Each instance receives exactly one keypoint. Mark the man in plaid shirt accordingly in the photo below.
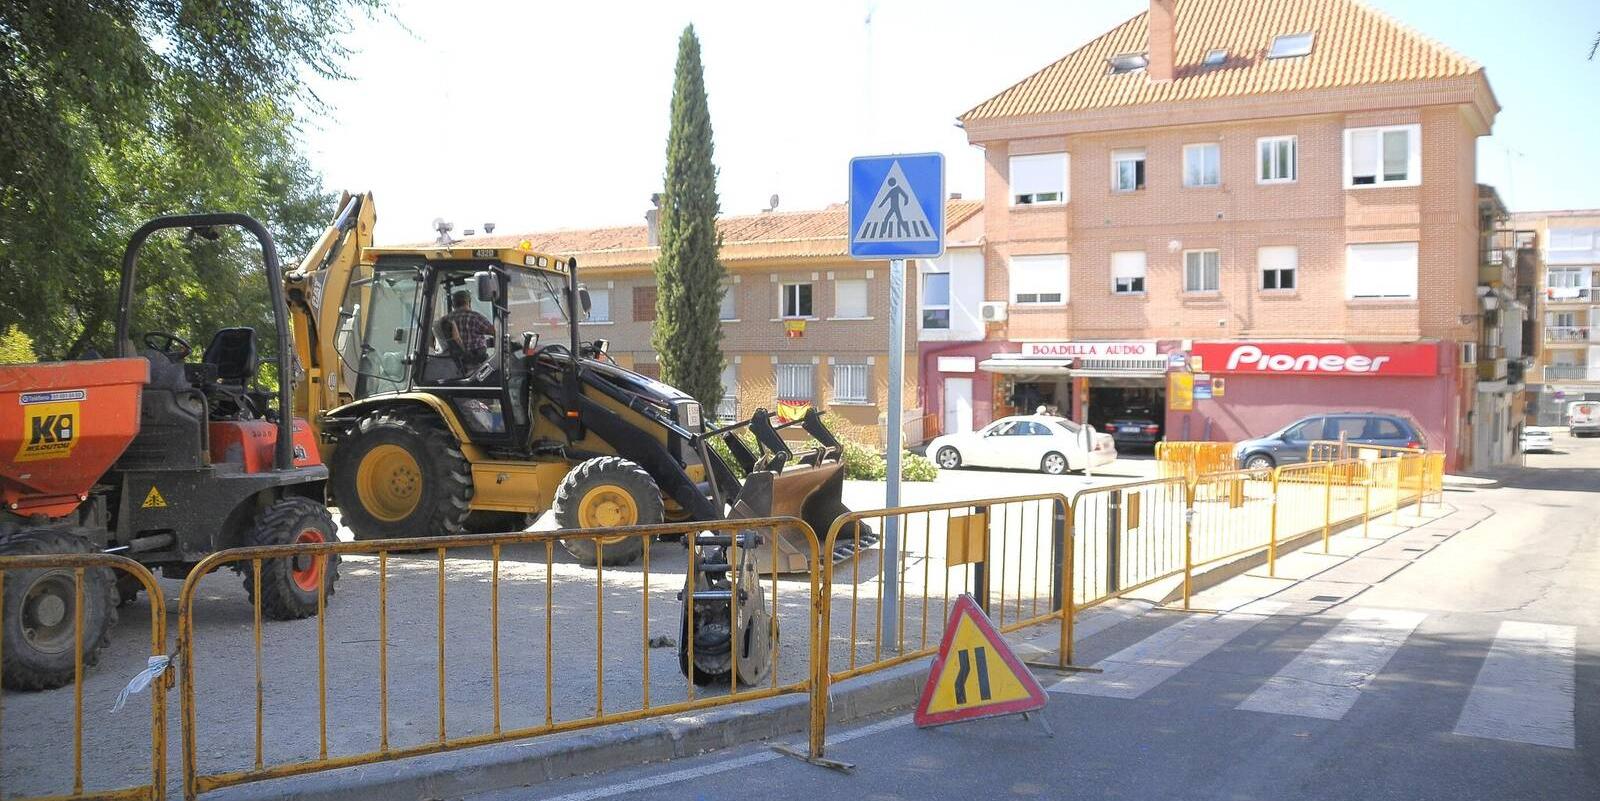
(473, 331)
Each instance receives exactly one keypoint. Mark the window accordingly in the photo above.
(1564, 319)
(850, 383)
(1345, 428)
(1290, 45)
(1127, 272)
(1215, 58)
(1039, 279)
(1573, 245)
(1383, 428)
(644, 304)
(1202, 270)
(850, 299)
(1278, 267)
(936, 300)
(1305, 431)
(796, 300)
(1202, 164)
(729, 309)
(794, 382)
(1127, 170)
(599, 305)
(1387, 270)
(728, 408)
(1277, 156)
(1128, 62)
(1383, 156)
(1039, 179)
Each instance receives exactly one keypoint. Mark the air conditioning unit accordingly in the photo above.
(993, 311)
(1469, 353)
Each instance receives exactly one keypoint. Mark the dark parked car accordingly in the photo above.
(1288, 445)
(1133, 432)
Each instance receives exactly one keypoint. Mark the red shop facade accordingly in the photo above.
(1246, 389)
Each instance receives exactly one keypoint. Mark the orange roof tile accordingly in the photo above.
(770, 235)
(1354, 45)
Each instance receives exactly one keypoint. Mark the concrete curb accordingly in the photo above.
(542, 759)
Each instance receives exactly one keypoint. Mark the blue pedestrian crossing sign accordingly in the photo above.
(897, 206)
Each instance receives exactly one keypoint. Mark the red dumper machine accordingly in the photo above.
(156, 457)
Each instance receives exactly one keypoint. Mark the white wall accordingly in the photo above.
(965, 266)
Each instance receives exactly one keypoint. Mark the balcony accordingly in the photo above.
(1571, 334)
(1569, 294)
(1571, 372)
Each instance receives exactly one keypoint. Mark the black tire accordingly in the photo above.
(289, 585)
(128, 589)
(497, 522)
(1259, 461)
(1055, 463)
(39, 651)
(442, 485)
(595, 474)
(948, 458)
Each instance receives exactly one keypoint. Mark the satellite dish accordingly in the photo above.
(772, 204)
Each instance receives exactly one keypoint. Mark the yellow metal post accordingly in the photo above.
(1188, 542)
(1394, 515)
(1366, 502)
(1327, 503)
(1272, 540)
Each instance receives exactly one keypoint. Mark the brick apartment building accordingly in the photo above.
(803, 324)
(1276, 200)
(1567, 294)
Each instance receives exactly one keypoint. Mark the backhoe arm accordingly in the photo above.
(315, 291)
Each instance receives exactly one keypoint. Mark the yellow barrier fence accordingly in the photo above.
(574, 647)
(1128, 536)
(54, 590)
(1011, 553)
(1192, 459)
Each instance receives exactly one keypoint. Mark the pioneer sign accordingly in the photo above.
(1089, 350)
(1318, 358)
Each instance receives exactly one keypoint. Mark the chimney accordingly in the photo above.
(1163, 37)
(955, 195)
(652, 221)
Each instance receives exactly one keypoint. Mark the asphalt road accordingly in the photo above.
(1460, 661)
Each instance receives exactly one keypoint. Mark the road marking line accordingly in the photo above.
(1143, 666)
(701, 771)
(1326, 679)
(1526, 688)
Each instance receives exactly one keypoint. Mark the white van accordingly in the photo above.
(1584, 418)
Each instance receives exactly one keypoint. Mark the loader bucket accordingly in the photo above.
(808, 485)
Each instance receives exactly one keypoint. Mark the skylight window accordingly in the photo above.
(1215, 58)
(1290, 45)
(1128, 62)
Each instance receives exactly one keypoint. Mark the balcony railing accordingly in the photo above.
(1571, 372)
(1569, 294)
(1575, 334)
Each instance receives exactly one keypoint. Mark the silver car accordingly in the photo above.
(1288, 445)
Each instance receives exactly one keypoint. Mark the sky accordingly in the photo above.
(539, 116)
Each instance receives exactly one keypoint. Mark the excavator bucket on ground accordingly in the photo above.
(779, 481)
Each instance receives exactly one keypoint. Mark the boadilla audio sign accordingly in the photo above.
(1089, 350)
(1318, 358)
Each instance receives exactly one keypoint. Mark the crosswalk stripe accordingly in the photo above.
(1326, 679)
(1143, 666)
(1525, 690)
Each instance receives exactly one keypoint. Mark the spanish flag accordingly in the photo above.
(789, 411)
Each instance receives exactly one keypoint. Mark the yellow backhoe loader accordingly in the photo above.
(448, 383)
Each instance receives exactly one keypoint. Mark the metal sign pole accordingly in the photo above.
(891, 494)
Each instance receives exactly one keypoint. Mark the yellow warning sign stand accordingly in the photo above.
(975, 674)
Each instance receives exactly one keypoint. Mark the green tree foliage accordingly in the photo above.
(116, 111)
(688, 332)
(16, 347)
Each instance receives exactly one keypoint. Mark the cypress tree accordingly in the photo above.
(688, 329)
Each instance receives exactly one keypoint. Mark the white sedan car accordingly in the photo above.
(1052, 445)
(1537, 440)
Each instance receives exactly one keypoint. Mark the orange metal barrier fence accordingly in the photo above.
(59, 613)
(1192, 459)
(513, 591)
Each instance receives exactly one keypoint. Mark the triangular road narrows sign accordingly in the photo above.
(895, 215)
(975, 674)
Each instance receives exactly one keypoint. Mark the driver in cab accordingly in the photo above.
(471, 331)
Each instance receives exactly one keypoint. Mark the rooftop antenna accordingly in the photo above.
(443, 228)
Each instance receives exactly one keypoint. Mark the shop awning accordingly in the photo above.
(1027, 366)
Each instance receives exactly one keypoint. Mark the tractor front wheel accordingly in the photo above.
(41, 611)
(289, 585)
(607, 492)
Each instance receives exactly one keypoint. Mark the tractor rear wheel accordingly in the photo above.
(606, 492)
(401, 474)
(41, 611)
(289, 585)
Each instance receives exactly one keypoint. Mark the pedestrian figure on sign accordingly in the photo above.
(894, 197)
